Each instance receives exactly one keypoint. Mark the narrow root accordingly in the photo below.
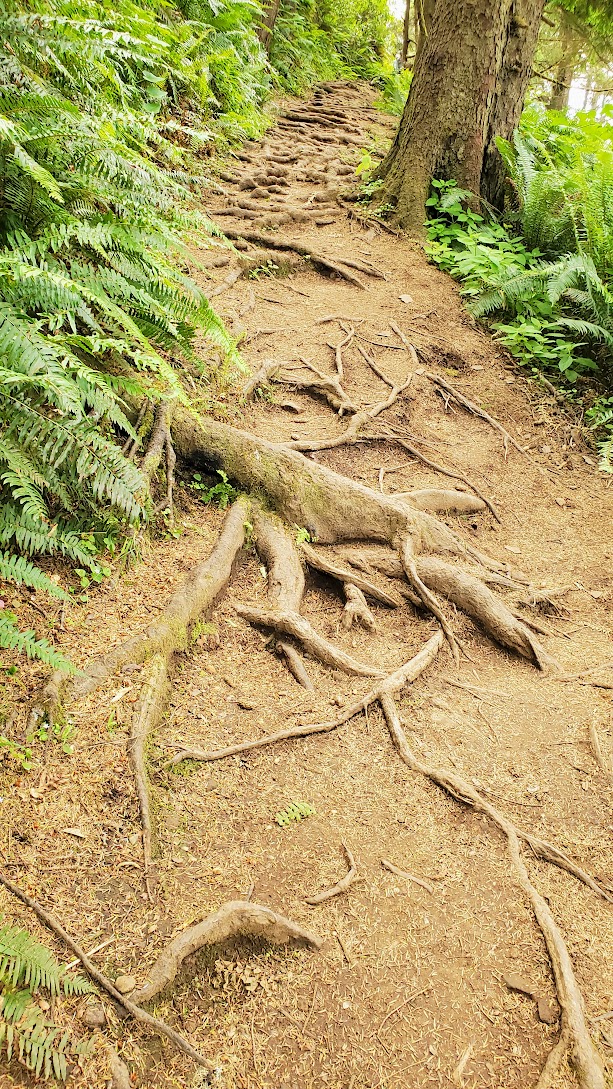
(148, 713)
(393, 683)
(585, 1058)
(341, 886)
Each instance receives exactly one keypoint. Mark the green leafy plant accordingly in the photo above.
(296, 811)
(28, 972)
(20, 572)
(220, 494)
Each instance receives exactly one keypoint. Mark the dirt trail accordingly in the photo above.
(409, 986)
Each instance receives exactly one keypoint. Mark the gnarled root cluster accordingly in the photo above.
(426, 565)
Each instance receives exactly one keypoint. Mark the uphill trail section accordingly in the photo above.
(372, 696)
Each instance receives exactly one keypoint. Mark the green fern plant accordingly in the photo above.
(296, 811)
(28, 971)
(19, 571)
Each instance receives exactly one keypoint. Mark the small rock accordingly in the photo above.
(94, 1017)
(246, 703)
(518, 983)
(560, 501)
(548, 1011)
(516, 551)
(125, 984)
(408, 299)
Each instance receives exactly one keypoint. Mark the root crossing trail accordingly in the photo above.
(350, 739)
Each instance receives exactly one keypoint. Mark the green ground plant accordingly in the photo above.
(28, 1035)
(542, 274)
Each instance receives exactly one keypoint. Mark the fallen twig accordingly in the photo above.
(341, 886)
(603, 763)
(409, 876)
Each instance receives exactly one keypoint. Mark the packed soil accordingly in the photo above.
(410, 985)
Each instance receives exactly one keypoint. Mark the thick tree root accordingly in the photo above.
(333, 509)
(444, 501)
(339, 265)
(285, 581)
(169, 632)
(341, 886)
(128, 1004)
(235, 919)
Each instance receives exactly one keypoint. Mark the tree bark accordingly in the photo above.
(424, 13)
(267, 26)
(406, 29)
(468, 88)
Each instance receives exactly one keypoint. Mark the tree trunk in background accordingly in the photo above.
(424, 14)
(267, 25)
(468, 87)
(566, 65)
(406, 28)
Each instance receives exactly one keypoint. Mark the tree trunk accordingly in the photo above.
(267, 26)
(406, 26)
(565, 66)
(468, 88)
(424, 14)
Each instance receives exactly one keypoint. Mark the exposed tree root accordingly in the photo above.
(235, 919)
(294, 625)
(444, 501)
(356, 610)
(585, 1058)
(321, 563)
(453, 474)
(393, 682)
(149, 710)
(334, 508)
(285, 581)
(168, 633)
(351, 434)
(341, 886)
(477, 411)
(120, 1075)
(328, 385)
(339, 265)
(260, 378)
(128, 1004)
